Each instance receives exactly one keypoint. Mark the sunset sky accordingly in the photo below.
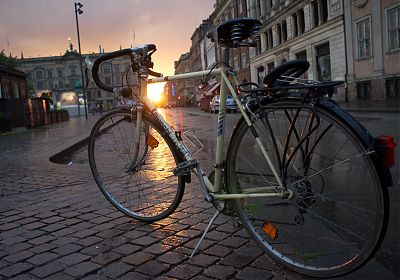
(42, 27)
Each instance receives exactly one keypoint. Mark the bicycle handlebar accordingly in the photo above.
(144, 51)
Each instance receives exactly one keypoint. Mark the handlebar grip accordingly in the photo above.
(100, 60)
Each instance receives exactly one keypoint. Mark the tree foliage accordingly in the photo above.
(8, 61)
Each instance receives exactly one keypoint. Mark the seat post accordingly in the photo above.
(225, 55)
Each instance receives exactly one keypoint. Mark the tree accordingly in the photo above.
(8, 61)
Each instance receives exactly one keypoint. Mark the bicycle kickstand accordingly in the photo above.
(214, 217)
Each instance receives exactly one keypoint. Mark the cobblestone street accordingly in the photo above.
(56, 224)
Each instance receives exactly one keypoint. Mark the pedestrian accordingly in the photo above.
(101, 109)
(94, 108)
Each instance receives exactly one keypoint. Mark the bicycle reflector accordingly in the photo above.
(384, 146)
(152, 141)
(271, 230)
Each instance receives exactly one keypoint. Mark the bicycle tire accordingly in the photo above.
(337, 217)
(138, 182)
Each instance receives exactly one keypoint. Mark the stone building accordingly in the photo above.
(373, 49)
(183, 88)
(201, 57)
(239, 57)
(60, 77)
(310, 30)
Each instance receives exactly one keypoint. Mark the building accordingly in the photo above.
(373, 49)
(201, 57)
(184, 93)
(60, 77)
(310, 30)
(239, 57)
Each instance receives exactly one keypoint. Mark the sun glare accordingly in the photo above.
(155, 92)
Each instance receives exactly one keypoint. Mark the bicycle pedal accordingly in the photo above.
(185, 167)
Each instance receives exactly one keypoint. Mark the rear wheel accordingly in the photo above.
(136, 179)
(336, 218)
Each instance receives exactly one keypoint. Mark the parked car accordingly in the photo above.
(230, 104)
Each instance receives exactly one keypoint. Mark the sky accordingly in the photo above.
(39, 28)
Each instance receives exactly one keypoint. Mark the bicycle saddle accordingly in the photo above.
(232, 33)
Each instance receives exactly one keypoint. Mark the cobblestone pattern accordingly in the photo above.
(55, 224)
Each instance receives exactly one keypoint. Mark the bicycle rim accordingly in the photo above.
(137, 180)
(336, 218)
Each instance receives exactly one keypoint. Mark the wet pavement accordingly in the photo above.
(56, 224)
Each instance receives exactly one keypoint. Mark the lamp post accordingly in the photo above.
(78, 10)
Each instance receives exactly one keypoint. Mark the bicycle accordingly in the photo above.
(306, 180)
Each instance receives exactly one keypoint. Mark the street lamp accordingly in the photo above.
(78, 10)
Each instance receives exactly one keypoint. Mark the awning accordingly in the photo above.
(210, 91)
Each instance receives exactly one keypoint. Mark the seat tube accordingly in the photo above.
(219, 157)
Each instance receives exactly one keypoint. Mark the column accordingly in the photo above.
(376, 36)
(263, 8)
(263, 41)
(269, 7)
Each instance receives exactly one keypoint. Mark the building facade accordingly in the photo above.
(309, 30)
(373, 49)
(60, 78)
(183, 88)
(238, 57)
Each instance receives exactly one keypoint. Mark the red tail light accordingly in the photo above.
(384, 146)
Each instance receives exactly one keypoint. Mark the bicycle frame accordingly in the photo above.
(226, 86)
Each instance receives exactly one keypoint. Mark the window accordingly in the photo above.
(270, 66)
(116, 68)
(39, 85)
(303, 56)
(88, 94)
(284, 31)
(364, 38)
(59, 71)
(73, 70)
(278, 34)
(323, 62)
(107, 80)
(295, 31)
(269, 39)
(302, 24)
(99, 93)
(39, 75)
(393, 87)
(364, 90)
(315, 16)
(324, 15)
(393, 22)
(258, 47)
(107, 69)
(50, 74)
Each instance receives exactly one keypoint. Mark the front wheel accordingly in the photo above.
(336, 217)
(136, 178)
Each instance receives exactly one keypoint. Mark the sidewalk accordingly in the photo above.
(55, 224)
(383, 106)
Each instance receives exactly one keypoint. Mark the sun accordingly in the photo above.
(155, 92)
